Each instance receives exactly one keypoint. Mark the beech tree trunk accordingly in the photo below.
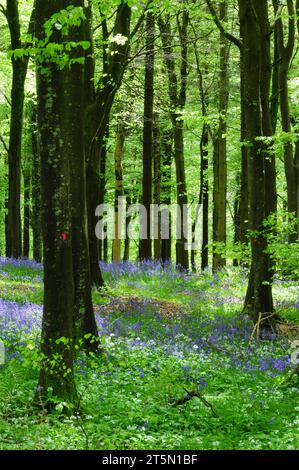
(103, 180)
(119, 147)
(68, 312)
(26, 216)
(147, 180)
(177, 103)
(204, 166)
(126, 256)
(35, 216)
(285, 56)
(19, 72)
(259, 301)
(220, 150)
(157, 184)
(56, 221)
(166, 185)
(97, 118)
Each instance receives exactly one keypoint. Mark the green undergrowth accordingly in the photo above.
(164, 336)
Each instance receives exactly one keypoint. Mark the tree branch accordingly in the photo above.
(291, 38)
(277, 15)
(220, 26)
(3, 11)
(140, 20)
(4, 143)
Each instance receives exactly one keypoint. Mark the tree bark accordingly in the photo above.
(259, 301)
(56, 221)
(285, 57)
(119, 148)
(147, 180)
(220, 150)
(157, 184)
(98, 114)
(177, 104)
(126, 256)
(204, 166)
(26, 221)
(166, 185)
(35, 218)
(19, 72)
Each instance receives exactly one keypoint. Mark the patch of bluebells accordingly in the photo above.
(147, 269)
(21, 262)
(208, 338)
(18, 322)
(205, 337)
(140, 325)
(37, 279)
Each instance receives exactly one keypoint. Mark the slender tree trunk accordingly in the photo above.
(237, 216)
(275, 84)
(204, 196)
(261, 9)
(297, 143)
(177, 102)
(126, 256)
(7, 238)
(26, 221)
(119, 148)
(19, 72)
(157, 185)
(114, 66)
(204, 166)
(285, 57)
(243, 210)
(35, 218)
(147, 180)
(103, 181)
(166, 185)
(220, 150)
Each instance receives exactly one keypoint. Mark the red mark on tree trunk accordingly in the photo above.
(63, 236)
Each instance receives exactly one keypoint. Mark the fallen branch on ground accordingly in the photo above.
(195, 394)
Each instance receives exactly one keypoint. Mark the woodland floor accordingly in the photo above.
(166, 335)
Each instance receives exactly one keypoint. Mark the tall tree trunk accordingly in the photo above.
(35, 218)
(220, 150)
(275, 84)
(204, 196)
(285, 57)
(259, 301)
(114, 66)
(56, 221)
(26, 221)
(237, 216)
(119, 148)
(242, 216)
(262, 15)
(147, 180)
(73, 105)
(166, 185)
(19, 72)
(204, 166)
(177, 104)
(157, 185)
(243, 209)
(103, 180)
(126, 256)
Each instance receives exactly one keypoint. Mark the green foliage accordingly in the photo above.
(284, 255)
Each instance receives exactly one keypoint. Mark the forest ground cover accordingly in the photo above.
(165, 335)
